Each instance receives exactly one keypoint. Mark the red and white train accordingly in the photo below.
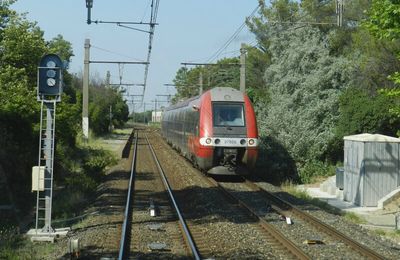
(217, 131)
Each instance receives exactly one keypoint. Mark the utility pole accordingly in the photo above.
(201, 82)
(339, 12)
(167, 96)
(201, 72)
(108, 76)
(85, 106)
(243, 68)
(111, 126)
(144, 112)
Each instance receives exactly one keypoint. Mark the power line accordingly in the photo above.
(116, 53)
(153, 19)
(233, 37)
(145, 11)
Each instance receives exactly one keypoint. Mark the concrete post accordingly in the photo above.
(201, 82)
(85, 105)
(242, 69)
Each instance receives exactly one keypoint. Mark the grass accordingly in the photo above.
(156, 125)
(292, 189)
(13, 246)
(301, 194)
(17, 247)
(353, 217)
(393, 235)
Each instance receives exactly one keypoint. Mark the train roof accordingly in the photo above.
(217, 94)
(183, 103)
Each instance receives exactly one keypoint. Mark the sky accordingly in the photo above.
(187, 31)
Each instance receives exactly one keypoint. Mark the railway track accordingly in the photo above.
(347, 247)
(240, 213)
(125, 236)
(274, 236)
(152, 226)
(196, 239)
(285, 208)
(182, 222)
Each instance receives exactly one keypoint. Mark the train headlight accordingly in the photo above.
(251, 141)
(217, 141)
(208, 141)
(242, 142)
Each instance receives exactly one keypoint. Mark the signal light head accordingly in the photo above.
(208, 141)
(50, 76)
(251, 141)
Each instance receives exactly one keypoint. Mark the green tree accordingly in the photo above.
(101, 98)
(22, 47)
(384, 23)
(361, 112)
(58, 45)
(304, 83)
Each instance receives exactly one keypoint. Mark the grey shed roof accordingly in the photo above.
(372, 138)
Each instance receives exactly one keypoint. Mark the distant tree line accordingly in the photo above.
(312, 82)
(21, 47)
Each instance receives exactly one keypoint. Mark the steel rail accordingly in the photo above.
(271, 230)
(363, 250)
(187, 235)
(128, 211)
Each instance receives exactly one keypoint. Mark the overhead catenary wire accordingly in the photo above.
(113, 52)
(127, 24)
(220, 52)
(232, 38)
(145, 10)
(153, 20)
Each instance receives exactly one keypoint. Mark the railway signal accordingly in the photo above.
(50, 77)
(49, 84)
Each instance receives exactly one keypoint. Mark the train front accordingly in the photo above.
(234, 136)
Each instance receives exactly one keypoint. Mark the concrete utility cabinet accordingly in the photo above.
(371, 168)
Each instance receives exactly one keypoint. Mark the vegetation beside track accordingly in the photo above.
(79, 167)
(312, 82)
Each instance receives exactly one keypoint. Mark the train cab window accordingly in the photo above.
(228, 114)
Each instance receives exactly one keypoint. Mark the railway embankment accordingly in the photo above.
(97, 218)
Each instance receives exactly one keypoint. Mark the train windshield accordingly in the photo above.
(228, 114)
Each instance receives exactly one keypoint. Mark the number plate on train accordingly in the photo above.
(230, 142)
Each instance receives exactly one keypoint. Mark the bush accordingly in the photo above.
(314, 169)
(97, 162)
(274, 162)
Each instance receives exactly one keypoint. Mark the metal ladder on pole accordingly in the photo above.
(46, 160)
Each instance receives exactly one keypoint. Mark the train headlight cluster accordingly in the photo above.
(228, 142)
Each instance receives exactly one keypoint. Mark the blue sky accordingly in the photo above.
(188, 30)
